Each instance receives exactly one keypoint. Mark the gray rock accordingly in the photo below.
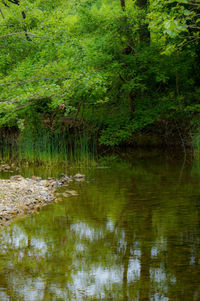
(17, 178)
(79, 176)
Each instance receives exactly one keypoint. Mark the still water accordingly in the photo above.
(133, 233)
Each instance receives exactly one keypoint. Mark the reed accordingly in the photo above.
(36, 146)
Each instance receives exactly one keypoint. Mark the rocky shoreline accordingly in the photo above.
(20, 196)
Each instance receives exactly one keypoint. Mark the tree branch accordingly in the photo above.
(194, 27)
(5, 3)
(2, 13)
(32, 79)
(20, 33)
(188, 42)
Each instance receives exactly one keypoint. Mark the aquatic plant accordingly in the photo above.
(41, 145)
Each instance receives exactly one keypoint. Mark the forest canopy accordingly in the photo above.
(113, 68)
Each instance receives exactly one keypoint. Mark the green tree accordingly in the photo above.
(116, 68)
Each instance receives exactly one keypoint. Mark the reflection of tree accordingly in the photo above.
(126, 263)
(145, 261)
(138, 229)
(91, 244)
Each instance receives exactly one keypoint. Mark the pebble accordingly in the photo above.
(79, 176)
(20, 196)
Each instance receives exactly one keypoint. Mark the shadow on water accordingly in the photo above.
(133, 233)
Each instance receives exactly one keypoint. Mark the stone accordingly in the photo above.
(57, 200)
(20, 196)
(36, 178)
(72, 192)
(66, 195)
(79, 179)
(79, 176)
(17, 178)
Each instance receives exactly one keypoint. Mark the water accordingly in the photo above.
(133, 233)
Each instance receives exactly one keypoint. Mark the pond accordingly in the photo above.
(132, 233)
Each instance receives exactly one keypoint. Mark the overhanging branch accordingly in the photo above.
(20, 33)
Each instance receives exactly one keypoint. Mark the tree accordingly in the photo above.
(110, 65)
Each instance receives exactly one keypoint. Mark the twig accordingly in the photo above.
(197, 38)
(20, 33)
(2, 13)
(31, 80)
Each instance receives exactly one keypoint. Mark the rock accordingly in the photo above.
(44, 194)
(57, 183)
(21, 195)
(63, 175)
(44, 183)
(79, 179)
(36, 178)
(72, 192)
(14, 212)
(17, 178)
(79, 176)
(7, 168)
(57, 200)
(37, 208)
(64, 179)
(66, 195)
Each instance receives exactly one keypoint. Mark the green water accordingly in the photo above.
(133, 233)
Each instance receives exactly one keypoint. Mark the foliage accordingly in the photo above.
(111, 69)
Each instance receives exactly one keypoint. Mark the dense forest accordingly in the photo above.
(100, 72)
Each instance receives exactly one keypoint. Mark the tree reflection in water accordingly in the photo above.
(132, 234)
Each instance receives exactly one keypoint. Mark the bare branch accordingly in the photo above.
(14, 1)
(20, 33)
(33, 98)
(5, 3)
(2, 13)
(194, 26)
(188, 42)
(30, 80)
(193, 4)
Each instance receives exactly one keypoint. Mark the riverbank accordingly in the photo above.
(41, 144)
(21, 196)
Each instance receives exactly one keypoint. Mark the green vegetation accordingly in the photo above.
(40, 145)
(86, 72)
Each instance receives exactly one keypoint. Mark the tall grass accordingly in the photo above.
(7, 144)
(45, 146)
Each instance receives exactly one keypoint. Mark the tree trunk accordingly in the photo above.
(141, 3)
(144, 36)
(26, 34)
(123, 4)
(131, 105)
(144, 33)
(23, 15)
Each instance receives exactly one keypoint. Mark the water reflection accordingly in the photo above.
(132, 234)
